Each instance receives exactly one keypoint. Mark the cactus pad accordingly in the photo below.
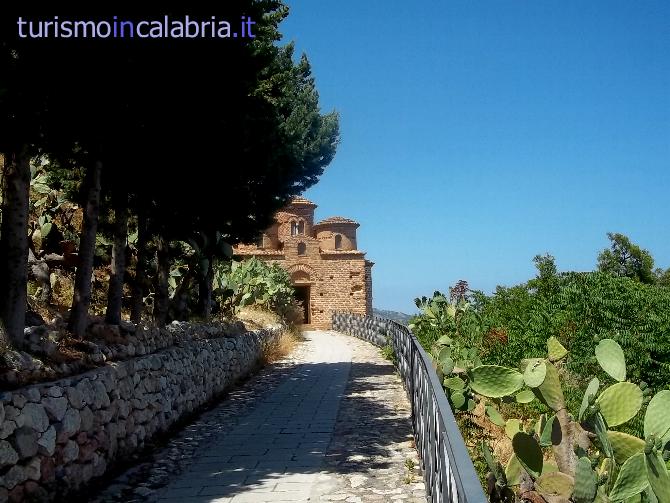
(495, 381)
(454, 383)
(555, 349)
(548, 431)
(586, 482)
(550, 392)
(494, 466)
(512, 427)
(589, 395)
(620, 403)
(657, 473)
(495, 416)
(632, 479)
(457, 399)
(513, 471)
(611, 358)
(657, 417)
(555, 485)
(445, 340)
(528, 452)
(549, 467)
(443, 354)
(601, 432)
(624, 445)
(525, 396)
(445, 361)
(535, 372)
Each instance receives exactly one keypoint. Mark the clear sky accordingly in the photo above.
(477, 134)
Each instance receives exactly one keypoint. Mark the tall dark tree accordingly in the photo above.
(118, 265)
(15, 173)
(23, 102)
(194, 153)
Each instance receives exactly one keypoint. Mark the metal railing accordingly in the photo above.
(448, 470)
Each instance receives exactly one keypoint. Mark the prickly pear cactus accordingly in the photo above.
(513, 471)
(458, 399)
(555, 486)
(494, 381)
(499, 492)
(620, 403)
(586, 482)
(445, 361)
(494, 415)
(589, 396)
(525, 396)
(629, 470)
(454, 383)
(529, 453)
(611, 358)
(624, 445)
(549, 431)
(657, 417)
(535, 372)
(632, 479)
(512, 427)
(550, 392)
(657, 473)
(555, 350)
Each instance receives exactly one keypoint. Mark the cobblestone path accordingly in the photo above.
(330, 423)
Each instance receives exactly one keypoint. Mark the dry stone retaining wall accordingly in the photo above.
(57, 436)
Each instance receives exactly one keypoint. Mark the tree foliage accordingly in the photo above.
(193, 138)
(626, 259)
(524, 360)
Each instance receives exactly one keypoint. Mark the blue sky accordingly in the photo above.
(476, 134)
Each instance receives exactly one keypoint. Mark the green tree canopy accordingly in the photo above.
(626, 259)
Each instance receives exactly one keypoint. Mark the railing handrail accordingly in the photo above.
(445, 440)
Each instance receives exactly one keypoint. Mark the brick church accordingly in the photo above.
(328, 272)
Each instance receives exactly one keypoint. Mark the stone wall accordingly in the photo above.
(57, 436)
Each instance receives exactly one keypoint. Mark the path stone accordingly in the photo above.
(372, 456)
(330, 423)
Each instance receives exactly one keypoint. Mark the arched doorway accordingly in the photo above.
(301, 283)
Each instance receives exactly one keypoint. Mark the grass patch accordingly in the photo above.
(388, 353)
(255, 318)
(282, 345)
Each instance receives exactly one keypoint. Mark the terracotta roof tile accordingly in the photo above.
(342, 252)
(302, 201)
(337, 220)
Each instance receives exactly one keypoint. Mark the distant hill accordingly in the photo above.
(392, 315)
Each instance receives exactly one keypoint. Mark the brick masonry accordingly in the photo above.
(325, 265)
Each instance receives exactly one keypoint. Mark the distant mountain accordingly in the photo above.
(393, 315)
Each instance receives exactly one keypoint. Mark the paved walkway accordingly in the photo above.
(334, 427)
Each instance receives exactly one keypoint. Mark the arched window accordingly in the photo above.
(298, 228)
(302, 248)
(338, 242)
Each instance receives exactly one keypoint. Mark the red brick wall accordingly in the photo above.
(339, 281)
